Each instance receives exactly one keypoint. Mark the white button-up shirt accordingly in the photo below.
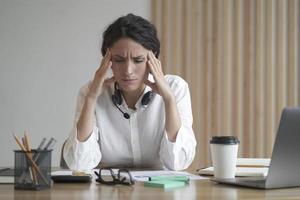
(140, 141)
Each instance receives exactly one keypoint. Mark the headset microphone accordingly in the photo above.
(125, 115)
(117, 99)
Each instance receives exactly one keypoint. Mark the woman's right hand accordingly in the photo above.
(97, 85)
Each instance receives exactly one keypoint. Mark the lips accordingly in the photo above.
(129, 81)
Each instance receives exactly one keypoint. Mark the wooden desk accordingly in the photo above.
(203, 189)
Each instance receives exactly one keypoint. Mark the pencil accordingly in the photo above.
(35, 180)
(30, 159)
(30, 169)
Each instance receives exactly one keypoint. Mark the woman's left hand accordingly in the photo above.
(160, 86)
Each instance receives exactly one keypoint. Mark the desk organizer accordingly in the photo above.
(32, 169)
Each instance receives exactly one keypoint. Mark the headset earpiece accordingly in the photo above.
(147, 98)
(117, 97)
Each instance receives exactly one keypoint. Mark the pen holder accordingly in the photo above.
(32, 169)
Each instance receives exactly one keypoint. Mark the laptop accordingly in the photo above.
(284, 170)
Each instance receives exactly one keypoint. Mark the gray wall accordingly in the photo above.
(48, 50)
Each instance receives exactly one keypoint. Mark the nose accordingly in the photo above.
(128, 68)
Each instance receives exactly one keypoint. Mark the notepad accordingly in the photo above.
(245, 167)
(6, 179)
(169, 178)
(240, 171)
(6, 175)
(253, 162)
(166, 184)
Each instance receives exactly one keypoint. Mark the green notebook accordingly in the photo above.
(166, 184)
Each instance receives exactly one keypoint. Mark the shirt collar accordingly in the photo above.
(138, 103)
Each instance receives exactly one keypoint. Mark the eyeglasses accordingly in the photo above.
(122, 177)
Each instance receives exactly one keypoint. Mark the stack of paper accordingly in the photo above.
(145, 175)
(138, 175)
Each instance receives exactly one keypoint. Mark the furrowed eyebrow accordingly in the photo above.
(118, 56)
(139, 57)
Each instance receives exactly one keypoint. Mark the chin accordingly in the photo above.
(128, 88)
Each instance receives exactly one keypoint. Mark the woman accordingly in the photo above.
(137, 118)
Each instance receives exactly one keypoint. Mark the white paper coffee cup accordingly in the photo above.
(224, 150)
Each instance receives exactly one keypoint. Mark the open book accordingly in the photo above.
(245, 167)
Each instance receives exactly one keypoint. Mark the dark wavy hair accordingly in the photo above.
(134, 27)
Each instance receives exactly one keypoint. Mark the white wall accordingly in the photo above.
(48, 49)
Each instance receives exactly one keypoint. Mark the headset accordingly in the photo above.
(117, 100)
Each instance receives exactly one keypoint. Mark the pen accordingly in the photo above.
(41, 145)
(50, 144)
(41, 156)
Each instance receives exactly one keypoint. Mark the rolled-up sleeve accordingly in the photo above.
(82, 155)
(180, 154)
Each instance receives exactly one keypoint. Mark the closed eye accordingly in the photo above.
(139, 60)
(119, 60)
